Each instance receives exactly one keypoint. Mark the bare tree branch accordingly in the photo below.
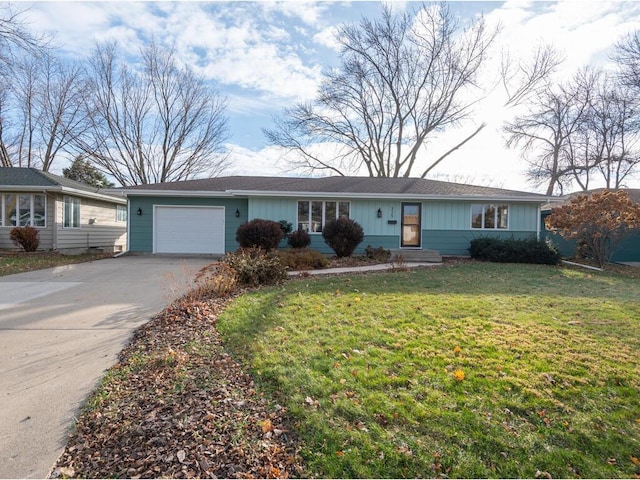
(163, 124)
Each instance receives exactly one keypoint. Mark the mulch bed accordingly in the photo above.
(177, 405)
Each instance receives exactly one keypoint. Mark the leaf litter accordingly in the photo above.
(177, 405)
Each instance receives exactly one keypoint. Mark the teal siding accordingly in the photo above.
(385, 241)
(451, 215)
(456, 242)
(141, 226)
(275, 209)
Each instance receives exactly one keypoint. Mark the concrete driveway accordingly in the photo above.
(60, 329)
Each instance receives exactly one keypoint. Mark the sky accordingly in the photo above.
(265, 56)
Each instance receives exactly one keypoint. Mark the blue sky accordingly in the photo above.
(264, 56)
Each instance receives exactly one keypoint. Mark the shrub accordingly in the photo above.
(303, 259)
(343, 235)
(299, 239)
(218, 279)
(514, 251)
(286, 227)
(26, 237)
(378, 254)
(254, 266)
(259, 233)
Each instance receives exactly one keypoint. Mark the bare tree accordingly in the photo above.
(15, 37)
(627, 56)
(16, 41)
(402, 79)
(159, 124)
(47, 98)
(545, 132)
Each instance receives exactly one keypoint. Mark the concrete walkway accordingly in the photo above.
(365, 268)
(60, 329)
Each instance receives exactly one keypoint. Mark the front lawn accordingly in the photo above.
(474, 370)
(17, 262)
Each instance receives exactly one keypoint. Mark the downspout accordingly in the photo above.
(54, 227)
(538, 222)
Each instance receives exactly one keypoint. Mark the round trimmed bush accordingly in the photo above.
(299, 239)
(259, 233)
(343, 235)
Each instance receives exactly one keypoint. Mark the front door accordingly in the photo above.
(411, 227)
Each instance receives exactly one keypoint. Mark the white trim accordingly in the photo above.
(494, 229)
(65, 191)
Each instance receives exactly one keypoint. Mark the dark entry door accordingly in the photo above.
(411, 227)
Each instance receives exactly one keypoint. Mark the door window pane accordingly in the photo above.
(71, 212)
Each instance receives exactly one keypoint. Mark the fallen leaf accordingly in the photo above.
(634, 460)
(181, 454)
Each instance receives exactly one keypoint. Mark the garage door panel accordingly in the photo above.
(189, 229)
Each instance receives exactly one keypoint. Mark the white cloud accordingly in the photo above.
(327, 37)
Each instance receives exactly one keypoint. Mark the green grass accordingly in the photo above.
(16, 262)
(365, 367)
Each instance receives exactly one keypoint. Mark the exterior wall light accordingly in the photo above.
(139, 212)
(237, 213)
(379, 213)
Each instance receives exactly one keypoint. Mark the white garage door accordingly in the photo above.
(189, 229)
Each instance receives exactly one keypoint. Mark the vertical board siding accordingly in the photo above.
(450, 242)
(450, 215)
(141, 226)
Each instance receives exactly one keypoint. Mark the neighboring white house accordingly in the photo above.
(70, 217)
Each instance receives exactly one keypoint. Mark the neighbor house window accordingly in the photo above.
(490, 216)
(121, 213)
(71, 213)
(22, 209)
(314, 214)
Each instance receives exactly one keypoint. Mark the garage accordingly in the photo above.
(188, 229)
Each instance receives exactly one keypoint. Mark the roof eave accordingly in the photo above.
(391, 196)
(114, 198)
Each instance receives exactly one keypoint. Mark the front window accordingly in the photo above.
(121, 213)
(71, 214)
(314, 214)
(22, 209)
(489, 216)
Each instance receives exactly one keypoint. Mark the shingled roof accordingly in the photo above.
(12, 177)
(347, 185)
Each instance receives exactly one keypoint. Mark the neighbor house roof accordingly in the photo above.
(331, 186)
(634, 195)
(32, 179)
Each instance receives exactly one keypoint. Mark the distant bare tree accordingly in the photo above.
(16, 41)
(15, 37)
(159, 124)
(545, 132)
(627, 56)
(47, 98)
(522, 78)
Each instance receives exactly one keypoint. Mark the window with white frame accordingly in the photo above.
(22, 209)
(71, 212)
(121, 213)
(489, 216)
(314, 214)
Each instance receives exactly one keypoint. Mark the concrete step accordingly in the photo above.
(415, 255)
